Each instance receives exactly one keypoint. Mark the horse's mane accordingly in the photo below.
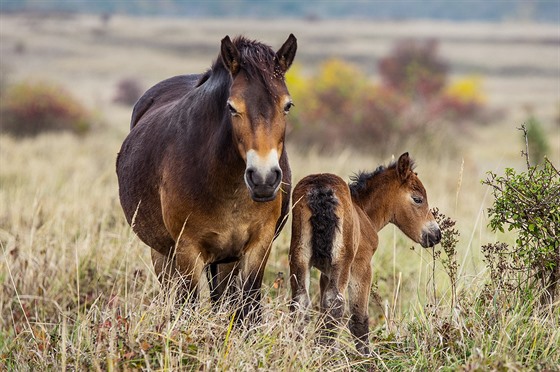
(256, 59)
(360, 179)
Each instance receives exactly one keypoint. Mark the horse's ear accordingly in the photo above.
(230, 55)
(403, 167)
(285, 55)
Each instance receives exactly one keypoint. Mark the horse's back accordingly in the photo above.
(322, 181)
(163, 93)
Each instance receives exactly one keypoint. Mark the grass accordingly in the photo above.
(78, 290)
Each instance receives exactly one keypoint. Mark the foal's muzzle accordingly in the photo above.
(431, 235)
(263, 186)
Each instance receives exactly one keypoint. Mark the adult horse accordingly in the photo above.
(203, 175)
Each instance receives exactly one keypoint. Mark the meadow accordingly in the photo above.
(78, 288)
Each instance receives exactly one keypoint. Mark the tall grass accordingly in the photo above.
(79, 292)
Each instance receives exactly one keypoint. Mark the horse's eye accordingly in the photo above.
(418, 199)
(288, 106)
(232, 109)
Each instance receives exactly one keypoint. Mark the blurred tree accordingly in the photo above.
(415, 69)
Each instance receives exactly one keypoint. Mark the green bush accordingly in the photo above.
(529, 204)
(28, 109)
(536, 140)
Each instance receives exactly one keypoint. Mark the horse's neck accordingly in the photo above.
(211, 131)
(207, 104)
(376, 204)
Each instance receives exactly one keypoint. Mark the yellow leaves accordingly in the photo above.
(297, 83)
(467, 89)
(335, 77)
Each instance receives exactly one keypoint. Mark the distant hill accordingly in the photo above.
(457, 10)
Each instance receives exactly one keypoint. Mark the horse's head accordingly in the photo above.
(412, 213)
(258, 103)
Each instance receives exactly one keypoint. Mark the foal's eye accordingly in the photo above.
(418, 199)
(288, 106)
(232, 109)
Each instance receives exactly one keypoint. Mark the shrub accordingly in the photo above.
(536, 140)
(528, 203)
(340, 106)
(461, 100)
(414, 69)
(28, 109)
(449, 239)
(466, 90)
(128, 91)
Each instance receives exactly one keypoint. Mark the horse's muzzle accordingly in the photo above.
(263, 187)
(431, 236)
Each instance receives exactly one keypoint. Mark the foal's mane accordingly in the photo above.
(360, 179)
(257, 60)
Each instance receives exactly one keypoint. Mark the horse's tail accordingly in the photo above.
(324, 222)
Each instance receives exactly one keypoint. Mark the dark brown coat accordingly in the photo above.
(203, 175)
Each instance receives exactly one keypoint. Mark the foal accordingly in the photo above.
(334, 228)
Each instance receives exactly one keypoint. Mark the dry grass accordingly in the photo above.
(78, 289)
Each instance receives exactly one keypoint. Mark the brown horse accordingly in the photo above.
(334, 228)
(201, 169)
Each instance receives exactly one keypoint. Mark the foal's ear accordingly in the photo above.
(403, 167)
(285, 55)
(230, 55)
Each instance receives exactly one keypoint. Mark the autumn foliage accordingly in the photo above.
(28, 109)
(341, 106)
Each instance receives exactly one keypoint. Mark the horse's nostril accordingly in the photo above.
(250, 175)
(434, 238)
(277, 174)
(266, 182)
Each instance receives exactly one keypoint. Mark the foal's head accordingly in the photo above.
(411, 211)
(396, 194)
(258, 103)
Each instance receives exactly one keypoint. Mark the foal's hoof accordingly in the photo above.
(326, 340)
(364, 350)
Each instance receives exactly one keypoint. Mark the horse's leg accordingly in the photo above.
(358, 295)
(299, 282)
(212, 276)
(252, 267)
(221, 278)
(190, 265)
(332, 298)
(300, 265)
(164, 266)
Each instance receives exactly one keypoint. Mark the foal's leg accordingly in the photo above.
(332, 298)
(358, 295)
(300, 279)
(300, 263)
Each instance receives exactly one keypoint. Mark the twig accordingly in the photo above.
(526, 152)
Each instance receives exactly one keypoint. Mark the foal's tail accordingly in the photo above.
(324, 222)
